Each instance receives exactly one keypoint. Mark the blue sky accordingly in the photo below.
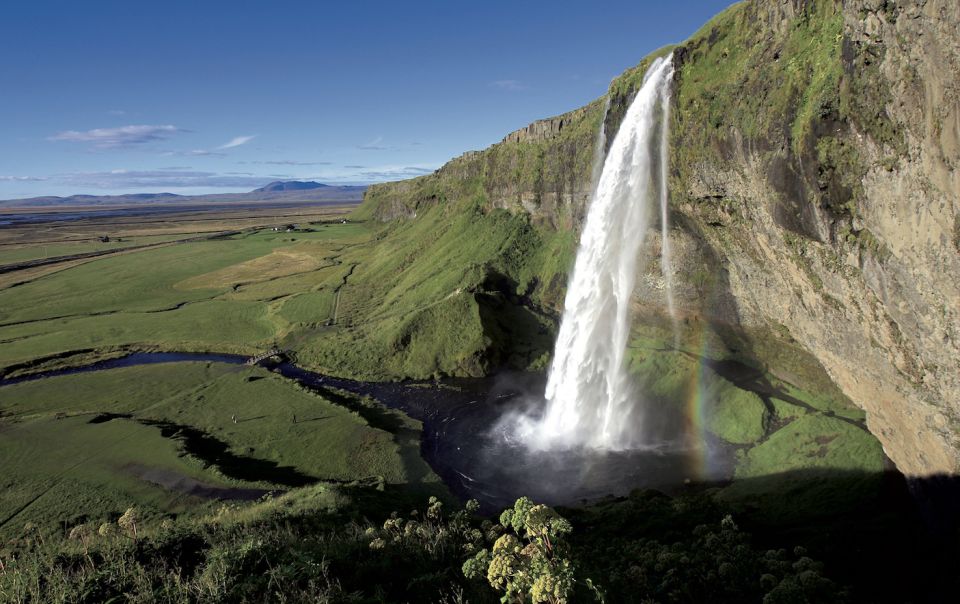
(105, 97)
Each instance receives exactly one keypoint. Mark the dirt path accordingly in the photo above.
(339, 290)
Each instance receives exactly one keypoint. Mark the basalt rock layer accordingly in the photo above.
(815, 197)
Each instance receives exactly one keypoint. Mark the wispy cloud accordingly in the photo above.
(22, 178)
(374, 145)
(116, 112)
(511, 85)
(237, 141)
(152, 179)
(355, 167)
(385, 173)
(113, 138)
(197, 153)
(287, 162)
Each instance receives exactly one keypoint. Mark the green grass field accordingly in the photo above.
(10, 254)
(212, 295)
(143, 281)
(59, 465)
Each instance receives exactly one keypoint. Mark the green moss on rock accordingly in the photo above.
(735, 415)
(814, 442)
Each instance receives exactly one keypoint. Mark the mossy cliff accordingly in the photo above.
(815, 200)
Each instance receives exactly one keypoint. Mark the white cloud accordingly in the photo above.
(112, 138)
(374, 145)
(237, 141)
(511, 85)
(199, 153)
(22, 178)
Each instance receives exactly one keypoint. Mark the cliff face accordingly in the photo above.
(815, 198)
(543, 169)
(834, 211)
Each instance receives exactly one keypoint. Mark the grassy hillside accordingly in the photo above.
(461, 290)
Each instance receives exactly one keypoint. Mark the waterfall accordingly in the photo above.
(666, 266)
(599, 149)
(589, 401)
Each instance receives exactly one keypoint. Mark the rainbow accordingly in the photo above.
(695, 401)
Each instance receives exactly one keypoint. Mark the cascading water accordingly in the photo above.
(666, 265)
(589, 399)
(599, 150)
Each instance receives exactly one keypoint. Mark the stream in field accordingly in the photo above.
(468, 442)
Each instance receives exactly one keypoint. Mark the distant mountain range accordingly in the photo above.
(277, 191)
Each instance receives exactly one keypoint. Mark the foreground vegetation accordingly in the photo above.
(355, 544)
(341, 545)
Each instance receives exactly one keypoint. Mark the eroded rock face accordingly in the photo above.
(872, 291)
(546, 129)
(815, 186)
(914, 211)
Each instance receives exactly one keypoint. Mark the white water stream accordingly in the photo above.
(590, 402)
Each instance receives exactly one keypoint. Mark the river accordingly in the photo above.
(468, 442)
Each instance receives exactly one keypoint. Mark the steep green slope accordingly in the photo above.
(461, 290)
(471, 265)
